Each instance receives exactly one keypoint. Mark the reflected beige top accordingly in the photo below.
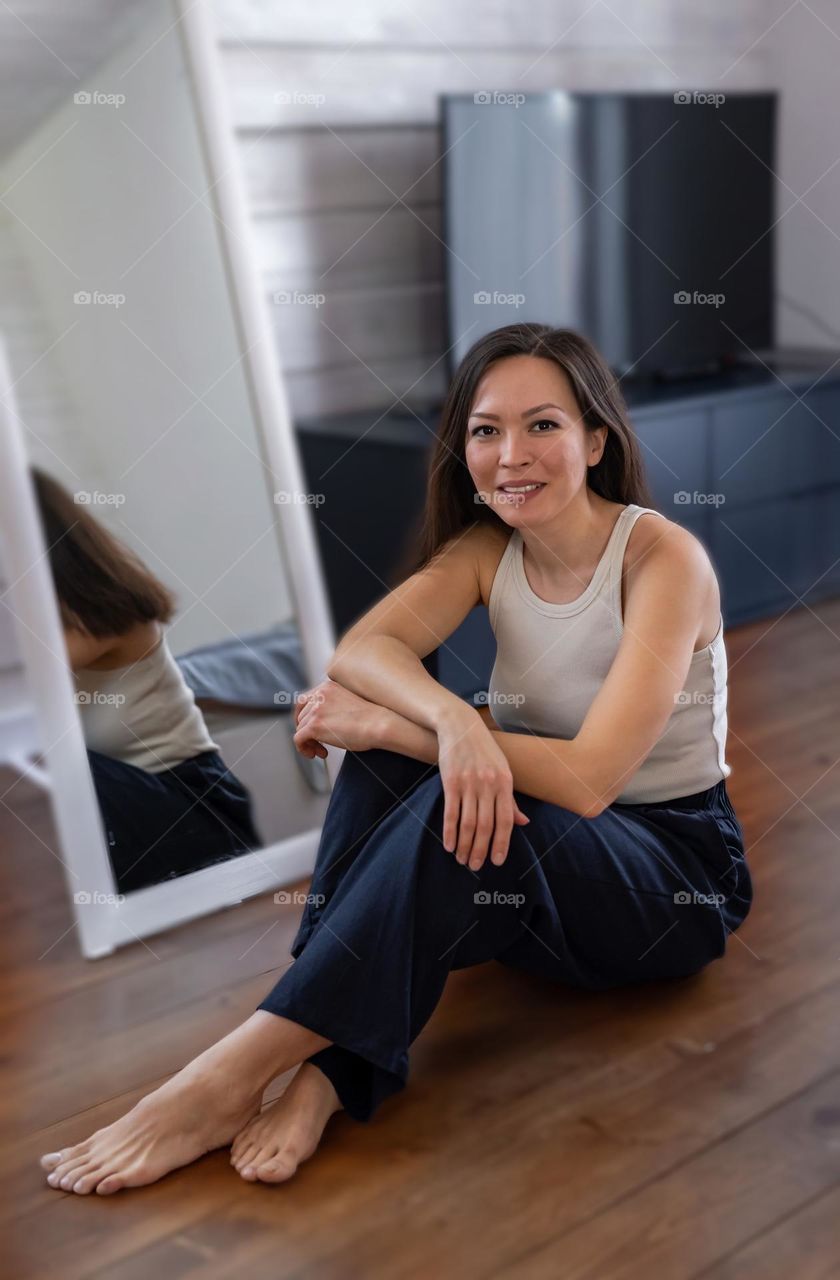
(143, 713)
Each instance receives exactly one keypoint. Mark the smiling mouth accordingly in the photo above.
(520, 491)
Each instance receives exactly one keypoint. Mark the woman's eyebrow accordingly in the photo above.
(526, 414)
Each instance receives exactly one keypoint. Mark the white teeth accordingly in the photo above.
(520, 488)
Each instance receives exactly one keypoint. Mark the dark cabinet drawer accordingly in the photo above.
(775, 445)
(824, 572)
(763, 556)
(824, 406)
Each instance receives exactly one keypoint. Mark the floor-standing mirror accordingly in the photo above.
(158, 545)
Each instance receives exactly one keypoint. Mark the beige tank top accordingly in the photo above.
(143, 713)
(552, 659)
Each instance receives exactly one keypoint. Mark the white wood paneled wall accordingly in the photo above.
(345, 188)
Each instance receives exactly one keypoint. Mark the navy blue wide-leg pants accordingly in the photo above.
(640, 893)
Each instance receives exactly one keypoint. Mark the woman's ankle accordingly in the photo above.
(259, 1049)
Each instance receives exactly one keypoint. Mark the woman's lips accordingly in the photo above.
(519, 496)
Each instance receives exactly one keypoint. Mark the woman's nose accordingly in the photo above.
(514, 453)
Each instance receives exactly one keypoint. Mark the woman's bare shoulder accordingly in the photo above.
(489, 542)
(651, 529)
(680, 552)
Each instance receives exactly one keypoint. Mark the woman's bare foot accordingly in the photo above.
(201, 1108)
(273, 1144)
(189, 1115)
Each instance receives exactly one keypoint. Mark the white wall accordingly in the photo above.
(101, 210)
(804, 52)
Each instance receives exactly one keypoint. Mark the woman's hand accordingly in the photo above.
(330, 715)
(478, 788)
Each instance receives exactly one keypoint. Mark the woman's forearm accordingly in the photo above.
(563, 783)
(409, 739)
(385, 671)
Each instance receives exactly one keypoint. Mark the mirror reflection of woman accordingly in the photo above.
(169, 803)
(576, 826)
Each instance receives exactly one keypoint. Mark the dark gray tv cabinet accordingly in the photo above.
(749, 461)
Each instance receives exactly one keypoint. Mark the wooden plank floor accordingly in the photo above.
(678, 1130)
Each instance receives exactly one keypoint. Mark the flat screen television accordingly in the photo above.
(643, 220)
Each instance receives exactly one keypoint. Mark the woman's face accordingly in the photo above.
(525, 429)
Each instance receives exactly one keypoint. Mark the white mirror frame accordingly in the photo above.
(106, 922)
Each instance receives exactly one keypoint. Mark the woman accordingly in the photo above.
(588, 836)
(169, 804)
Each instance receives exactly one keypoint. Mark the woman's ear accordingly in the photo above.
(597, 444)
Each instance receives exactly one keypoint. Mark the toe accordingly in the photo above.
(240, 1142)
(278, 1169)
(66, 1174)
(246, 1156)
(56, 1176)
(86, 1183)
(51, 1159)
(112, 1183)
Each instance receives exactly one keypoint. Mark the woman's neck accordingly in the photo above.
(565, 552)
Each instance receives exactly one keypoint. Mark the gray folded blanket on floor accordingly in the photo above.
(263, 670)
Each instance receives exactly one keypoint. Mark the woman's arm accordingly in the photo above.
(83, 648)
(546, 768)
(397, 733)
(632, 708)
(380, 657)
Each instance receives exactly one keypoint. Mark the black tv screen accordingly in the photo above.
(644, 221)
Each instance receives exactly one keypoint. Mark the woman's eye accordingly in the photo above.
(542, 422)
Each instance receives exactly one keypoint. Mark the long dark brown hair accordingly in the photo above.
(101, 585)
(451, 504)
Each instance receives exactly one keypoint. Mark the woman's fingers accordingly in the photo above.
(466, 826)
(472, 820)
(483, 828)
(504, 826)
(451, 809)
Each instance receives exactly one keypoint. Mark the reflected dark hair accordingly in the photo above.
(100, 583)
(450, 494)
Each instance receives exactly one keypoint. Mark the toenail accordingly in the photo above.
(52, 1179)
(249, 1168)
